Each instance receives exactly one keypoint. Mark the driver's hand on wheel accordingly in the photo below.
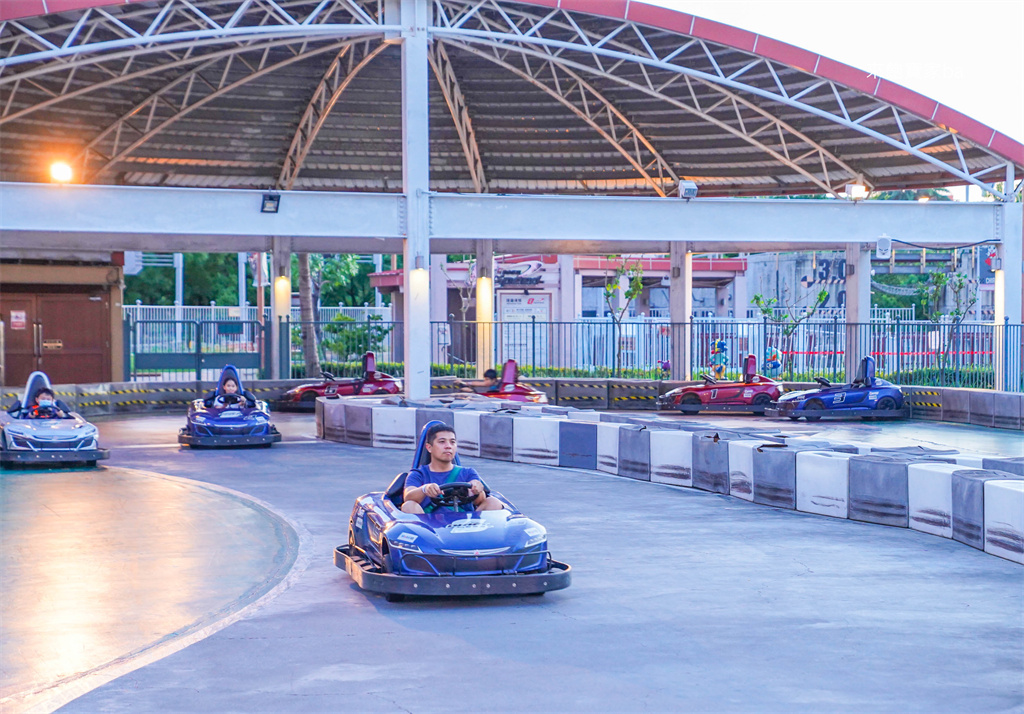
(476, 488)
(432, 490)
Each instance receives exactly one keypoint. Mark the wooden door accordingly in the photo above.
(74, 337)
(20, 337)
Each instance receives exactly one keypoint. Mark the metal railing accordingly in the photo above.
(905, 352)
(249, 312)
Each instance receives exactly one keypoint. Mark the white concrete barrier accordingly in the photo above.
(672, 457)
(584, 415)
(1004, 519)
(930, 497)
(823, 483)
(467, 431)
(969, 461)
(535, 441)
(741, 468)
(608, 447)
(394, 428)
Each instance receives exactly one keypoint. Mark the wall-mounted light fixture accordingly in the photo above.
(855, 191)
(60, 172)
(687, 190)
(270, 203)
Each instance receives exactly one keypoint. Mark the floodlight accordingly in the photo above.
(271, 202)
(687, 190)
(856, 191)
(60, 172)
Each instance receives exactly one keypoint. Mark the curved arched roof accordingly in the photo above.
(546, 96)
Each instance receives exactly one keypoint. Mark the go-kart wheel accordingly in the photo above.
(762, 400)
(689, 400)
(308, 397)
(394, 597)
(886, 404)
(815, 405)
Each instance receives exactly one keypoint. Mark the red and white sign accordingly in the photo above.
(19, 321)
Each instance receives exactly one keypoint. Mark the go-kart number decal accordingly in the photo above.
(367, 389)
(840, 398)
(331, 389)
(714, 393)
(872, 396)
(747, 393)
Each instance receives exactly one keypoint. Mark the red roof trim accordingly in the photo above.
(700, 28)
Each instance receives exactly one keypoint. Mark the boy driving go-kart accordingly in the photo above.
(47, 406)
(423, 485)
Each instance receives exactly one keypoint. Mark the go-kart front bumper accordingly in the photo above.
(242, 440)
(26, 456)
(367, 577)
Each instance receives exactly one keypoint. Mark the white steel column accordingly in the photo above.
(484, 306)
(680, 302)
(1008, 297)
(280, 303)
(858, 305)
(416, 185)
(740, 299)
(241, 285)
(438, 304)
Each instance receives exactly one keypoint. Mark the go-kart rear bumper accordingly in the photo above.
(19, 456)
(192, 440)
(815, 414)
(366, 577)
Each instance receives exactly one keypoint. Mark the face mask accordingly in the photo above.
(46, 402)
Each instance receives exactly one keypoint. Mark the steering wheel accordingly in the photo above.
(708, 379)
(823, 382)
(38, 412)
(454, 495)
(229, 399)
(328, 376)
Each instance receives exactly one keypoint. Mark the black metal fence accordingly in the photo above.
(909, 353)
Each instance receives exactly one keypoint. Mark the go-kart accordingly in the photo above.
(222, 419)
(865, 397)
(303, 397)
(447, 552)
(34, 434)
(508, 388)
(752, 396)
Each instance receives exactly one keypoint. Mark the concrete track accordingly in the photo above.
(681, 601)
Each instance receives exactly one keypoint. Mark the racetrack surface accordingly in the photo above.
(681, 601)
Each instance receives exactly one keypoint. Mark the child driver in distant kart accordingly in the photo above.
(489, 383)
(227, 388)
(45, 406)
(425, 482)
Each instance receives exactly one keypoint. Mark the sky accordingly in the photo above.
(965, 54)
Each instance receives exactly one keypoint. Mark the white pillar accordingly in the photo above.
(241, 285)
(1009, 285)
(722, 301)
(416, 185)
(484, 306)
(680, 301)
(858, 305)
(280, 304)
(740, 299)
(438, 304)
(568, 310)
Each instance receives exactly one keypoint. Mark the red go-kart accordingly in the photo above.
(751, 396)
(372, 382)
(509, 388)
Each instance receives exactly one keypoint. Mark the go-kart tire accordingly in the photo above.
(689, 400)
(308, 397)
(762, 400)
(815, 405)
(886, 404)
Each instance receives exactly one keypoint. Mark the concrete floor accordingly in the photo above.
(681, 601)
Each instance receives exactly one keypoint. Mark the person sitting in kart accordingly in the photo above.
(46, 406)
(425, 482)
(228, 393)
(489, 383)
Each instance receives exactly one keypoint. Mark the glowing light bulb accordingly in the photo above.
(60, 172)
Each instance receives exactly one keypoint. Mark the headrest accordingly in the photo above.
(510, 372)
(36, 381)
(422, 456)
(866, 371)
(229, 371)
(369, 363)
(749, 368)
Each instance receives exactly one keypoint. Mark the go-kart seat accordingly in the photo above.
(396, 491)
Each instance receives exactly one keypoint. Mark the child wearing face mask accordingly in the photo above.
(46, 406)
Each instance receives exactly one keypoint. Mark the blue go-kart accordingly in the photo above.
(447, 552)
(221, 419)
(866, 397)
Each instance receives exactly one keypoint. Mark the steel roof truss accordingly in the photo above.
(459, 110)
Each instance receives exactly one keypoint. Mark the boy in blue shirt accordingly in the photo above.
(425, 482)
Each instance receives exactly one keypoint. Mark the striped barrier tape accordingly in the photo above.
(154, 401)
(932, 405)
(645, 397)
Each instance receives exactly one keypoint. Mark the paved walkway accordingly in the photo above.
(681, 601)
